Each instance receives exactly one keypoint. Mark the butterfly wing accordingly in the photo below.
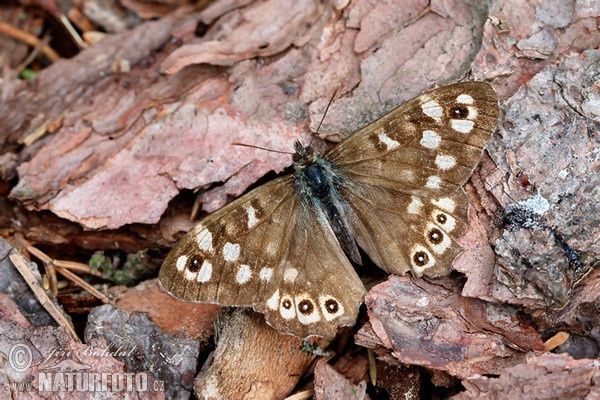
(271, 250)
(401, 177)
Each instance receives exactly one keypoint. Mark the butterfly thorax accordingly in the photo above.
(317, 183)
(315, 175)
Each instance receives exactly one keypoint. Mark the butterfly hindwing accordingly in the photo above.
(402, 233)
(320, 289)
(274, 252)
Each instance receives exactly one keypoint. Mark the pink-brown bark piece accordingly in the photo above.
(172, 315)
(330, 384)
(128, 142)
(246, 34)
(431, 324)
(547, 376)
(523, 37)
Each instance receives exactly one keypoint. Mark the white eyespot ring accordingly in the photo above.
(306, 309)
(331, 308)
(445, 221)
(286, 307)
(420, 259)
(437, 240)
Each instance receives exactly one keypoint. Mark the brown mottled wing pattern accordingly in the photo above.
(402, 177)
(272, 251)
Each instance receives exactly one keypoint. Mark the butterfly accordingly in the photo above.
(392, 189)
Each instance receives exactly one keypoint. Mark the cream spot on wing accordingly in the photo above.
(306, 309)
(189, 275)
(331, 308)
(432, 109)
(438, 241)
(244, 274)
(445, 162)
(231, 251)
(181, 262)
(273, 302)
(430, 139)
(271, 249)
(205, 272)
(472, 113)
(265, 274)
(415, 206)
(406, 175)
(445, 203)
(420, 259)
(462, 125)
(286, 307)
(204, 239)
(433, 182)
(464, 99)
(252, 220)
(389, 143)
(290, 275)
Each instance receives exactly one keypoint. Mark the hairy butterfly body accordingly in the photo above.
(392, 189)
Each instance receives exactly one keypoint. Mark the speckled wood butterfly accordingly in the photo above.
(392, 189)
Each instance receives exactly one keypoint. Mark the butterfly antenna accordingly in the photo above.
(325, 113)
(287, 152)
(260, 148)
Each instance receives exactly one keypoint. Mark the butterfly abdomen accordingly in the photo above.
(316, 184)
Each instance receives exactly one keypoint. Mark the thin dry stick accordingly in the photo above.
(303, 395)
(372, 367)
(34, 53)
(72, 31)
(50, 272)
(29, 39)
(77, 280)
(52, 280)
(77, 267)
(77, 18)
(39, 292)
(62, 267)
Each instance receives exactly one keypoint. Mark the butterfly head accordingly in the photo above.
(302, 155)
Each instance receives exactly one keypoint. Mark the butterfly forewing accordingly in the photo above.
(401, 177)
(209, 259)
(272, 251)
(440, 134)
